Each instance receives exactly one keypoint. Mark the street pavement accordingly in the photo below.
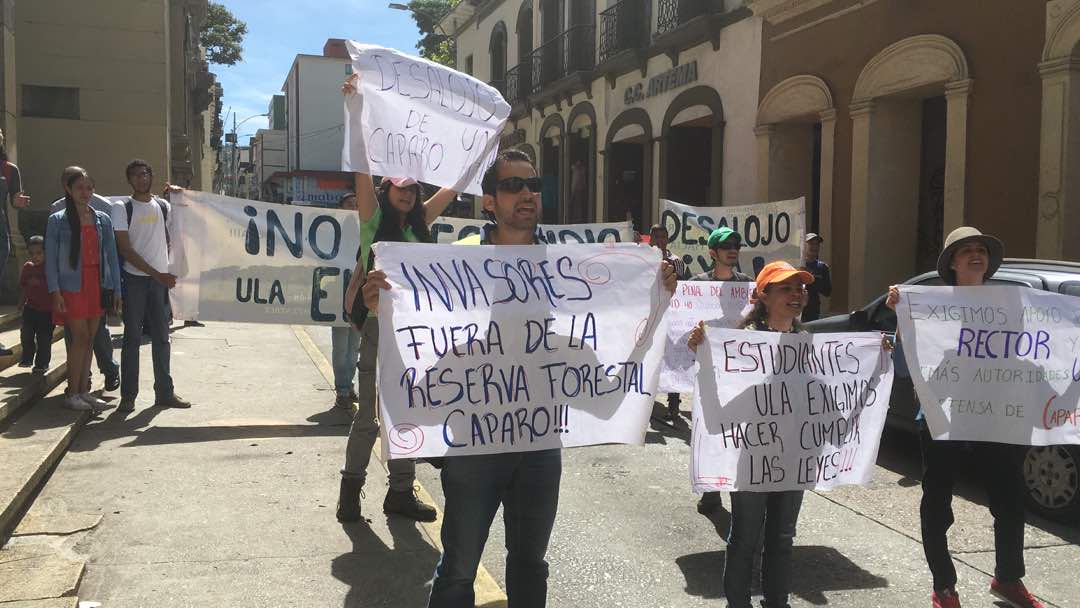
(231, 503)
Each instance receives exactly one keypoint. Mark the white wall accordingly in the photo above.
(315, 134)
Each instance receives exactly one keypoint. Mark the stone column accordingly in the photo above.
(652, 206)
(600, 177)
(8, 121)
(825, 189)
(957, 94)
(862, 113)
(1059, 173)
(764, 135)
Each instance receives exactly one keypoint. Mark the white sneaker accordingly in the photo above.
(76, 402)
(96, 403)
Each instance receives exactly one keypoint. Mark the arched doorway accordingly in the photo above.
(692, 148)
(1059, 179)
(551, 143)
(908, 166)
(796, 124)
(497, 51)
(628, 169)
(581, 164)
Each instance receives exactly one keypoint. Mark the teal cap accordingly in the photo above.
(721, 235)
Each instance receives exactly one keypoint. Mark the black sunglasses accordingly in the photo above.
(736, 246)
(513, 185)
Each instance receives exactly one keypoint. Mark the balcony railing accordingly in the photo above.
(519, 82)
(571, 51)
(671, 14)
(622, 27)
(500, 86)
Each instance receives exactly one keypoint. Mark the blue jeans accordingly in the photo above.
(526, 484)
(345, 348)
(751, 512)
(147, 301)
(103, 349)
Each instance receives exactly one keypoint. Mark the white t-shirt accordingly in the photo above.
(146, 233)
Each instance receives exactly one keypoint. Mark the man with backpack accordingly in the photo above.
(142, 236)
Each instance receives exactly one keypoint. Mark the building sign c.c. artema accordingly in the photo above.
(678, 76)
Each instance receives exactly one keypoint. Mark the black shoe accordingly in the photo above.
(172, 401)
(26, 363)
(407, 504)
(343, 402)
(193, 324)
(112, 382)
(348, 504)
(5, 351)
(709, 502)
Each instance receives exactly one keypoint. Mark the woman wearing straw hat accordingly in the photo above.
(969, 259)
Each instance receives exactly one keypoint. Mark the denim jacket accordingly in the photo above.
(58, 271)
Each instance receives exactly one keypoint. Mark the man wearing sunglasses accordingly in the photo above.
(724, 245)
(525, 484)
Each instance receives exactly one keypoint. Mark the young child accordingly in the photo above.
(36, 306)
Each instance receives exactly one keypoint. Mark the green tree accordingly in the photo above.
(222, 36)
(427, 14)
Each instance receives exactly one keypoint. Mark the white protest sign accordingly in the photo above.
(994, 363)
(718, 304)
(489, 349)
(780, 411)
(451, 229)
(770, 232)
(416, 118)
(242, 260)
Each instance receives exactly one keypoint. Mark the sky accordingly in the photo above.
(280, 30)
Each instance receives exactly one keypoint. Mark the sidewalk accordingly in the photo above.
(230, 503)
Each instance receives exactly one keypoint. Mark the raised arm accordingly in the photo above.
(366, 202)
(434, 206)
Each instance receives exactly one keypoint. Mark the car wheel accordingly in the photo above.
(1052, 477)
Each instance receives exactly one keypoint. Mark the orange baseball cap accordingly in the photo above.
(779, 271)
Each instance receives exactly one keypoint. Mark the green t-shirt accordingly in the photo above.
(368, 230)
(367, 237)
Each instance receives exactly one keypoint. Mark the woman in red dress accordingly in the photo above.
(83, 275)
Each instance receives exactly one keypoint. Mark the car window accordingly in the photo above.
(1070, 288)
(882, 317)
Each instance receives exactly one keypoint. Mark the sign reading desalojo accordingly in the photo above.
(450, 229)
(507, 349)
(416, 118)
(994, 363)
(770, 231)
(776, 411)
(718, 304)
(242, 260)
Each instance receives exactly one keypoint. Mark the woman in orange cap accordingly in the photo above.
(780, 295)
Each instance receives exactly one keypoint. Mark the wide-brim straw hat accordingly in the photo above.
(960, 236)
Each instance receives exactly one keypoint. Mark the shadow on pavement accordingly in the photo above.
(661, 428)
(411, 560)
(815, 571)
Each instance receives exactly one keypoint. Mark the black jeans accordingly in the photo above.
(36, 336)
(998, 466)
(774, 514)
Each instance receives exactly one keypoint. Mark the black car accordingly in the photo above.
(1052, 473)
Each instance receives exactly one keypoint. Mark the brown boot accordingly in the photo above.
(348, 505)
(407, 504)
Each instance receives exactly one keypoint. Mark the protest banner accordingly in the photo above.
(242, 260)
(780, 411)
(770, 231)
(517, 348)
(718, 304)
(994, 363)
(416, 118)
(451, 229)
